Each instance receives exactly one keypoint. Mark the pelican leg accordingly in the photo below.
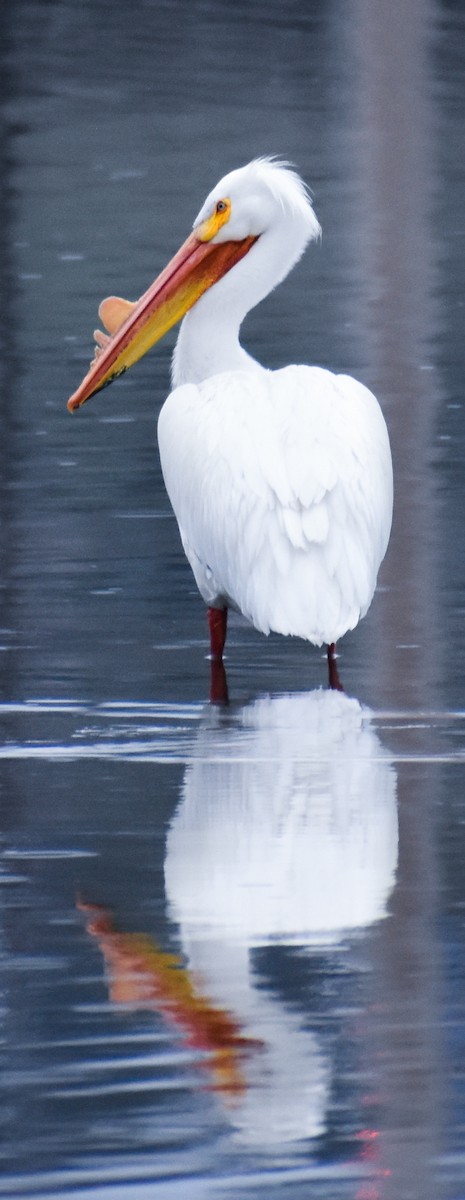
(333, 674)
(218, 682)
(217, 624)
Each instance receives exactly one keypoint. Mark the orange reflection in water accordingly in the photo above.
(142, 975)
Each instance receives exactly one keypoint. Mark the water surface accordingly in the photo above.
(232, 939)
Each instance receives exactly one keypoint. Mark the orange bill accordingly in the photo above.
(134, 327)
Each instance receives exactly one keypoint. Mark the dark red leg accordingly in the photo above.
(333, 674)
(217, 624)
(218, 682)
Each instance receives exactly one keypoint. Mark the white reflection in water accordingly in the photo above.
(286, 829)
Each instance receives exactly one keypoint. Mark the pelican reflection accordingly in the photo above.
(285, 834)
(286, 831)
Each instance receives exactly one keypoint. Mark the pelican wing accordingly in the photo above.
(281, 484)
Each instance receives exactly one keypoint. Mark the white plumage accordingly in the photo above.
(281, 481)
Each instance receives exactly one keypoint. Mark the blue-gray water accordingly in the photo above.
(232, 942)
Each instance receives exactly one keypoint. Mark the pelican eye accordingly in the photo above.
(220, 214)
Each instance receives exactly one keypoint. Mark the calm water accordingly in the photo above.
(232, 941)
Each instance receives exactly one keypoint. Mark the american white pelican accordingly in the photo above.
(281, 481)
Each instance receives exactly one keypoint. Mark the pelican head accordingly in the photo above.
(256, 198)
(249, 233)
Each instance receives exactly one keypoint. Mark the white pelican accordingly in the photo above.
(281, 481)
